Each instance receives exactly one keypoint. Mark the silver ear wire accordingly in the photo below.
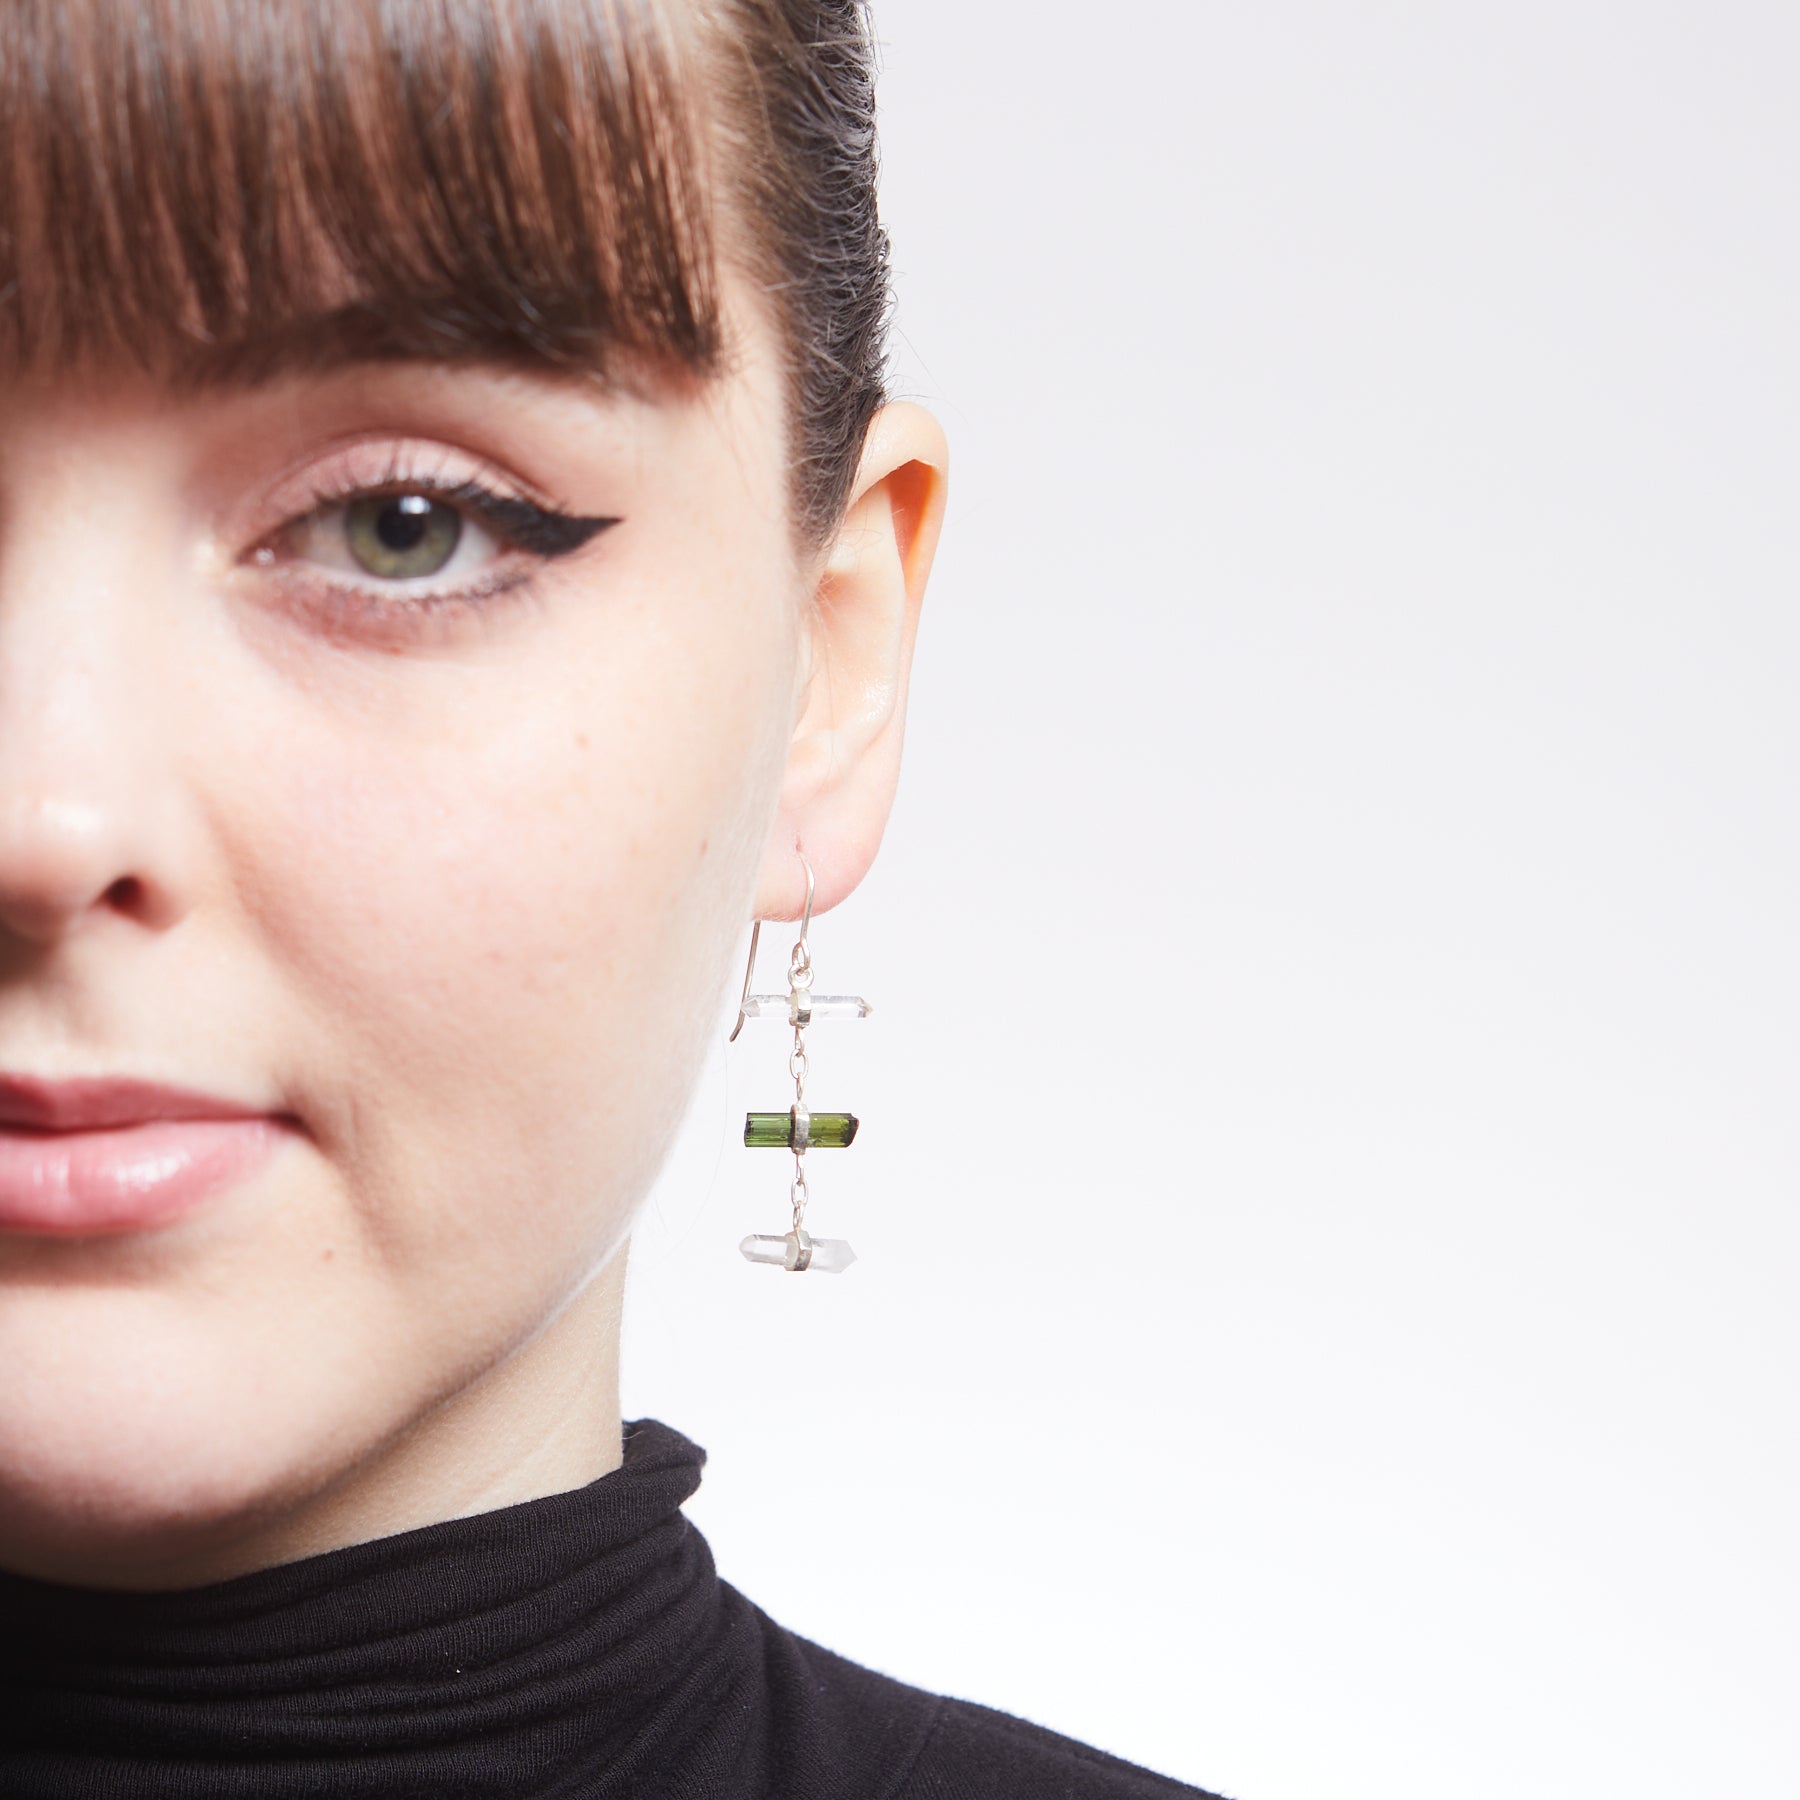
(799, 1129)
(749, 971)
(800, 961)
(801, 958)
(800, 1005)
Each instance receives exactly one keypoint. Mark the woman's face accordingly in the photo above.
(451, 884)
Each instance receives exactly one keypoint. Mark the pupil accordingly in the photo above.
(404, 522)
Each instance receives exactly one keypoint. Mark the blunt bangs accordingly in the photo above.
(228, 189)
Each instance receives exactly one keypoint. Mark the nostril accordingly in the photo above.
(132, 896)
(143, 902)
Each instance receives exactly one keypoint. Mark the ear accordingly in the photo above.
(844, 758)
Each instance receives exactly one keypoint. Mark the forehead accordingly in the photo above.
(224, 191)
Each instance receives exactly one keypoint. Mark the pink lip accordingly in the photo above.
(111, 1155)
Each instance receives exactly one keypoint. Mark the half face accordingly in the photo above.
(390, 750)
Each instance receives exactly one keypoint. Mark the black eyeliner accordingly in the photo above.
(541, 530)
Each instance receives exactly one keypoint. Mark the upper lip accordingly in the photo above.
(96, 1101)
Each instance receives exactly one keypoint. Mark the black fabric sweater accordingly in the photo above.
(577, 1645)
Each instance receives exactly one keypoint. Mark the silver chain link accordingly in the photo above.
(797, 1195)
(799, 977)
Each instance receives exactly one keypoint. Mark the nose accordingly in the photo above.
(62, 859)
(88, 815)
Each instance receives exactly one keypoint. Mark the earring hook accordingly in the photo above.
(800, 961)
(749, 973)
(802, 956)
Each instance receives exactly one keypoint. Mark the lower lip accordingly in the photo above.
(127, 1177)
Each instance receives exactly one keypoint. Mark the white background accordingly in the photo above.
(1326, 1197)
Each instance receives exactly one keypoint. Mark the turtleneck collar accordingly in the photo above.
(483, 1655)
(577, 1647)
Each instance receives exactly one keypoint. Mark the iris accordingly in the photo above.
(402, 536)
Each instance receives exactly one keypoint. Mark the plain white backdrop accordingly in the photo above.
(1327, 1192)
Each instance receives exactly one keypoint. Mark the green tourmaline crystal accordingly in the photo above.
(775, 1131)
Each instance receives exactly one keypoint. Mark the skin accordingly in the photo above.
(461, 893)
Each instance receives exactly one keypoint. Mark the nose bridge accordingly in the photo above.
(82, 814)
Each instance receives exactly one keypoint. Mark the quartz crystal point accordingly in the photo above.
(775, 1131)
(831, 1256)
(824, 1006)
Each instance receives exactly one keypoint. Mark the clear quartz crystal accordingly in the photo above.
(824, 1006)
(831, 1256)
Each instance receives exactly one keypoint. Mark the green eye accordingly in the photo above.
(401, 536)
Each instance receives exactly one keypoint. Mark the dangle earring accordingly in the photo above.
(797, 1129)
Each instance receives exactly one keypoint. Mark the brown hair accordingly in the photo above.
(225, 189)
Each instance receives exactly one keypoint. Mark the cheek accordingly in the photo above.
(504, 941)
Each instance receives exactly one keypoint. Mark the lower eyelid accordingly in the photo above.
(396, 611)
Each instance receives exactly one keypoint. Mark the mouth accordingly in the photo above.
(97, 1102)
(110, 1154)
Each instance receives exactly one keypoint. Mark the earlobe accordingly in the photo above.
(844, 756)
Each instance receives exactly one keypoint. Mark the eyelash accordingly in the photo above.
(545, 533)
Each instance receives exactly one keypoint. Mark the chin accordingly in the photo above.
(130, 1456)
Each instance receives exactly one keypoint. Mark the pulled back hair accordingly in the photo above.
(228, 190)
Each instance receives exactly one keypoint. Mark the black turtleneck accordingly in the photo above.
(579, 1646)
